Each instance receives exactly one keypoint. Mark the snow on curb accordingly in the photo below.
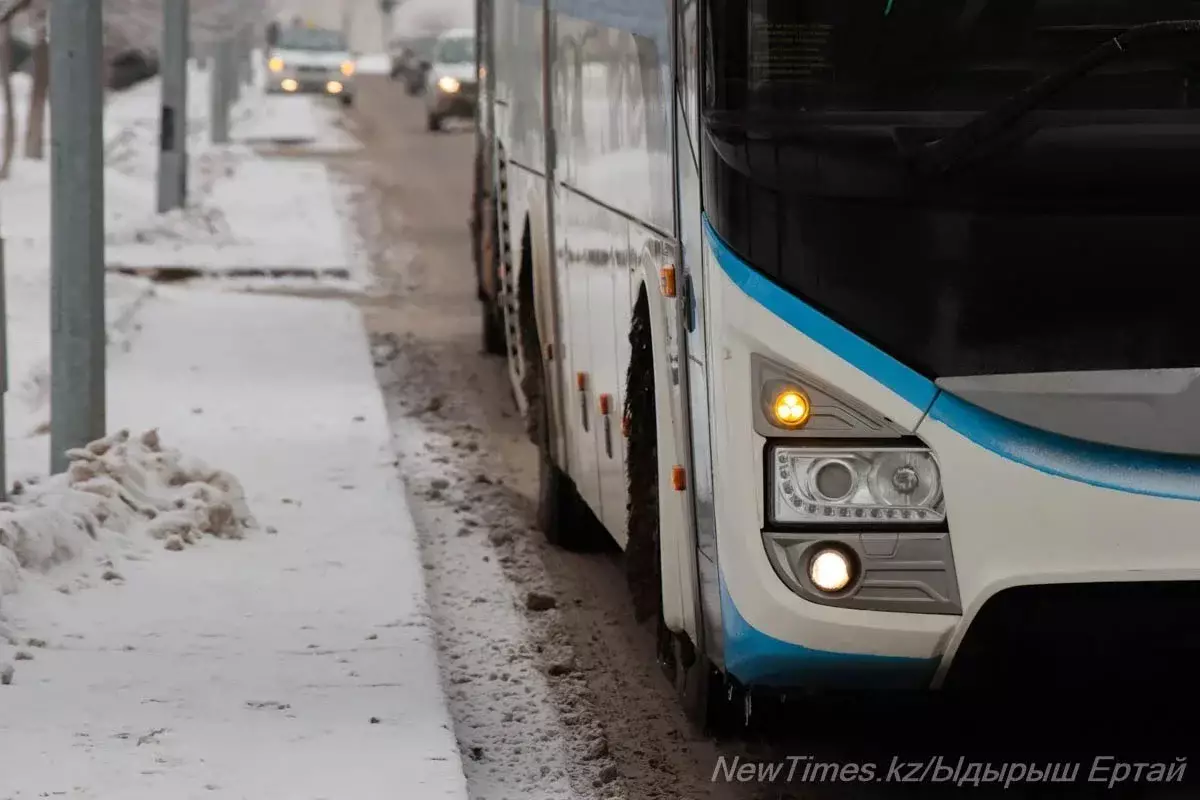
(117, 490)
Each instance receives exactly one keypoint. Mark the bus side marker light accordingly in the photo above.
(791, 408)
(581, 382)
(678, 478)
(666, 280)
(605, 400)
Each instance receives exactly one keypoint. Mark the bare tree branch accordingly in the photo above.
(12, 8)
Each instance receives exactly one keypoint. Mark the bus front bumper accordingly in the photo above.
(1030, 515)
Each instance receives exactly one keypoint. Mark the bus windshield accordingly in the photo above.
(872, 55)
(1066, 249)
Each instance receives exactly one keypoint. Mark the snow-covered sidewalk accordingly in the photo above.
(246, 214)
(249, 214)
(297, 662)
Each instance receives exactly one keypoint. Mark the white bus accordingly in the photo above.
(881, 378)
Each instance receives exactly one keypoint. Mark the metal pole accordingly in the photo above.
(218, 83)
(246, 64)
(3, 377)
(233, 59)
(77, 331)
(172, 148)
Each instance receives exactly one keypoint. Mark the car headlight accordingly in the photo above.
(449, 85)
(864, 486)
(348, 68)
(275, 64)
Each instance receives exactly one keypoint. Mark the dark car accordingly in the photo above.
(411, 60)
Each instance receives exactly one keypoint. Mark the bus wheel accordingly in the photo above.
(494, 343)
(701, 688)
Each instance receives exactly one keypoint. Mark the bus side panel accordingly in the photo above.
(518, 84)
(485, 202)
(604, 301)
(521, 137)
(582, 252)
(613, 162)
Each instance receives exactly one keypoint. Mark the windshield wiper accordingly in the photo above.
(952, 150)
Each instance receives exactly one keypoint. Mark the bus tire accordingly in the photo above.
(699, 686)
(494, 342)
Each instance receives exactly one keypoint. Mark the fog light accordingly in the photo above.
(830, 570)
(791, 408)
(333, 87)
(289, 85)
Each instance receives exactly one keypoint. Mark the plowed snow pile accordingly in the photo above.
(119, 493)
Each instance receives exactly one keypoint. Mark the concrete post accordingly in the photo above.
(219, 82)
(246, 61)
(77, 329)
(172, 152)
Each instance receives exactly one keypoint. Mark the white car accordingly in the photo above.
(452, 84)
(311, 60)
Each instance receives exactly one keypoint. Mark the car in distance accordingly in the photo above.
(311, 60)
(452, 85)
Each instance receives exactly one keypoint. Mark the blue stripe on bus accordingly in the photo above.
(1106, 466)
(904, 381)
(757, 659)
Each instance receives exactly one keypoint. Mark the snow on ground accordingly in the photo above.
(507, 721)
(310, 124)
(119, 492)
(266, 216)
(130, 196)
(248, 214)
(375, 64)
(296, 663)
(243, 212)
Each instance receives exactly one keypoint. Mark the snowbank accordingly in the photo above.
(117, 491)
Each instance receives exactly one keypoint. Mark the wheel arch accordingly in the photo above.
(536, 306)
(676, 552)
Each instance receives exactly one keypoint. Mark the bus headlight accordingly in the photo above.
(867, 486)
(449, 85)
